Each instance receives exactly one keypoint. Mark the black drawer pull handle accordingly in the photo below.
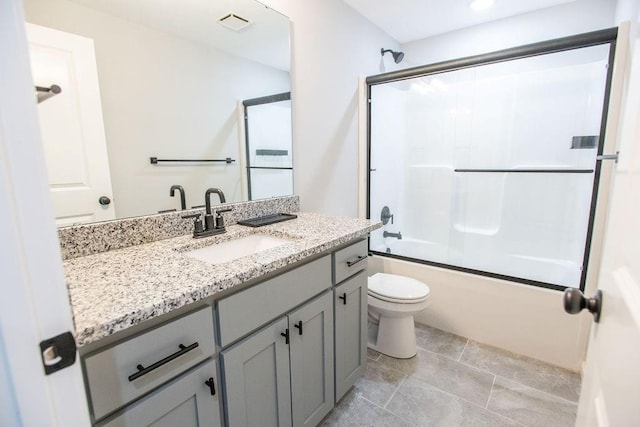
(343, 298)
(299, 326)
(285, 334)
(143, 371)
(211, 385)
(353, 262)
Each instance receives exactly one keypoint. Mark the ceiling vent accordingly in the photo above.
(234, 22)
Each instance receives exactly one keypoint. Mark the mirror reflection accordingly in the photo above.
(167, 80)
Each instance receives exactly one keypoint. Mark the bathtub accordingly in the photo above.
(522, 267)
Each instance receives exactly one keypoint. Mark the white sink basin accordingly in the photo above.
(219, 253)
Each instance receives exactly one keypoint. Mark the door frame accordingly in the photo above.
(35, 305)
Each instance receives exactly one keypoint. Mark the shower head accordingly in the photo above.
(397, 56)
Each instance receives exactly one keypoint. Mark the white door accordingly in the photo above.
(611, 382)
(71, 125)
(35, 304)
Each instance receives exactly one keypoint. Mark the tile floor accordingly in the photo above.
(454, 381)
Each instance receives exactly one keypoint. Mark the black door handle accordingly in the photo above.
(143, 371)
(211, 385)
(104, 201)
(285, 334)
(575, 302)
(343, 298)
(299, 326)
(353, 262)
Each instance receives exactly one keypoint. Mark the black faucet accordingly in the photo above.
(209, 220)
(212, 225)
(183, 202)
(397, 235)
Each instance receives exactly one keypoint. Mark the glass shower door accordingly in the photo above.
(491, 169)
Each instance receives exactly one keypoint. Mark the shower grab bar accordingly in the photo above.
(155, 160)
(525, 170)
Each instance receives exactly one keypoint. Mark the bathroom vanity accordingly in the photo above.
(272, 338)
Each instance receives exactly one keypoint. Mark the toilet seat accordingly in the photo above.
(397, 289)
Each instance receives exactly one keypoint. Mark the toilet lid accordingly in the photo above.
(394, 288)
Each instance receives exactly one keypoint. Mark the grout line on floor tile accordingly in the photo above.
(448, 393)
(463, 349)
(506, 418)
(540, 391)
(455, 396)
(370, 401)
(486, 406)
(438, 354)
(395, 391)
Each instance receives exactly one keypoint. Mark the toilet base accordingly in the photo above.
(393, 336)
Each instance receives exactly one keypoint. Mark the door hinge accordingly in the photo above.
(608, 156)
(58, 352)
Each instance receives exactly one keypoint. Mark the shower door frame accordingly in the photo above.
(594, 38)
(269, 99)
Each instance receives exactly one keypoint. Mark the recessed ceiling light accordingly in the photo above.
(481, 4)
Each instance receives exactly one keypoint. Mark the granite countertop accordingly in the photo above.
(114, 290)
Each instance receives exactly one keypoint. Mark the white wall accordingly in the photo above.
(166, 97)
(554, 22)
(332, 46)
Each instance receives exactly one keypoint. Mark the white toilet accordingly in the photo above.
(393, 300)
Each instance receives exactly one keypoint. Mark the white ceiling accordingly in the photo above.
(409, 20)
(265, 41)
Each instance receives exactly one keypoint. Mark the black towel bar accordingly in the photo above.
(155, 160)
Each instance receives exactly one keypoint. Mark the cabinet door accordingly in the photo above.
(257, 380)
(186, 401)
(311, 351)
(350, 332)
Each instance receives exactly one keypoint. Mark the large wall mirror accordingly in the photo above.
(143, 79)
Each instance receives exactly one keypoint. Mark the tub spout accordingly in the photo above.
(397, 235)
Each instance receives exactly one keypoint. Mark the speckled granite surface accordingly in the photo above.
(87, 239)
(113, 290)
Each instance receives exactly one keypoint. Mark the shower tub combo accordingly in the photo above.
(485, 172)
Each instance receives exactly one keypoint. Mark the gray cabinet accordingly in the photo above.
(311, 353)
(289, 348)
(114, 375)
(186, 401)
(257, 379)
(350, 300)
(282, 375)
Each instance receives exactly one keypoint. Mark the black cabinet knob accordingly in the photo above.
(343, 297)
(212, 387)
(285, 334)
(575, 302)
(104, 201)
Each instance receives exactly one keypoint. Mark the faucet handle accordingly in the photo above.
(197, 223)
(220, 219)
(195, 215)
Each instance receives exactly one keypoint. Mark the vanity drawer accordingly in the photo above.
(113, 375)
(248, 310)
(349, 261)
